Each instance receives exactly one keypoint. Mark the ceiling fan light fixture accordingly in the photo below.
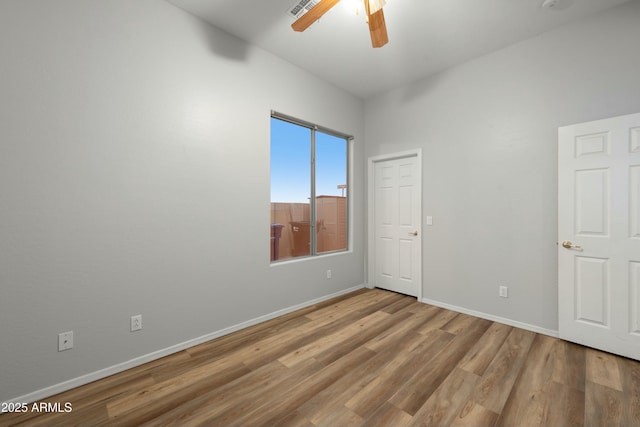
(376, 23)
(375, 5)
(352, 6)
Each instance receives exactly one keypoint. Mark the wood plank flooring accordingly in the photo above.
(369, 358)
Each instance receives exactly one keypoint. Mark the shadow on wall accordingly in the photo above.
(223, 44)
(419, 88)
(264, 17)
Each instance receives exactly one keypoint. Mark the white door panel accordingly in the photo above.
(395, 246)
(599, 219)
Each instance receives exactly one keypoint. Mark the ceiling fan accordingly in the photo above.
(373, 9)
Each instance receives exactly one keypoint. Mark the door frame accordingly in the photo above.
(417, 153)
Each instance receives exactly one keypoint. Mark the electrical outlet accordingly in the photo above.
(65, 341)
(504, 292)
(328, 274)
(136, 322)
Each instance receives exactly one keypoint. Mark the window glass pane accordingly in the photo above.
(331, 193)
(290, 190)
(302, 225)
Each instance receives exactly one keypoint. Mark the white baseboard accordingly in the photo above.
(493, 318)
(112, 370)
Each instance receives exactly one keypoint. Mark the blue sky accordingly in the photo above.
(290, 163)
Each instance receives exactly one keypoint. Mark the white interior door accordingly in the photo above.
(599, 234)
(395, 247)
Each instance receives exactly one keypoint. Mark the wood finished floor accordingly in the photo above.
(370, 358)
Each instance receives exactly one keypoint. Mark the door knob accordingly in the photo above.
(415, 233)
(568, 245)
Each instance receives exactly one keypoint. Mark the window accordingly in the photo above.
(309, 189)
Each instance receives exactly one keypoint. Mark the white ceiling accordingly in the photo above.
(425, 36)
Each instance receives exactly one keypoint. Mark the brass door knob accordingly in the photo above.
(568, 245)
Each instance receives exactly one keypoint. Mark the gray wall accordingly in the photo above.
(134, 179)
(488, 131)
(134, 146)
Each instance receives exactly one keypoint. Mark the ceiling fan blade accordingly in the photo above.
(313, 14)
(377, 27)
